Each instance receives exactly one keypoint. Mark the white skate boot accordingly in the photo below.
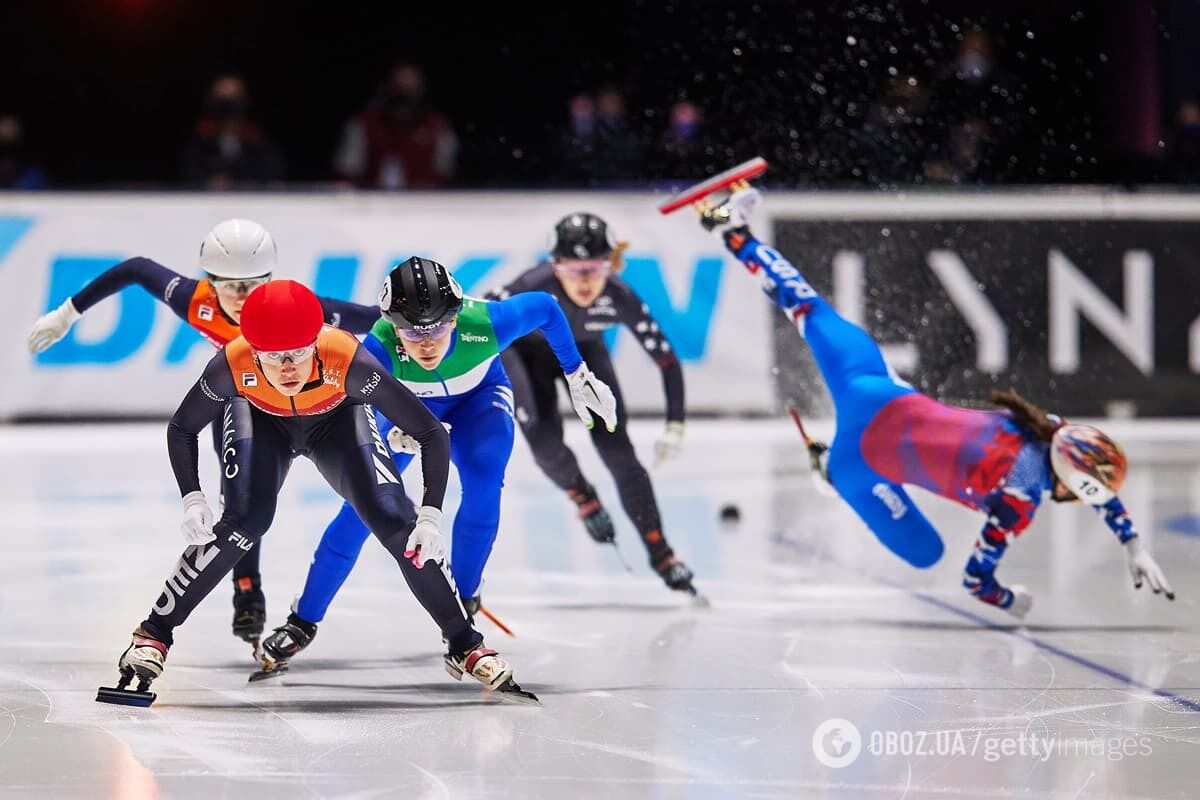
(486, 666)
(143, 659)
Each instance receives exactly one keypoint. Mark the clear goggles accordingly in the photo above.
(592, 268)
(238, 285)
(427, 333)
(279, 356)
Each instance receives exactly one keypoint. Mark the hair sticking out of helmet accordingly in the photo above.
(1088, 462)
(238, 248)
(281, 315)
(420, 293)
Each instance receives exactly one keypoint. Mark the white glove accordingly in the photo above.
(425, 543)
(197, 524)
(670, 444)
(1144, 568)
(1021, 603)
(588, 394)
(52, 326)
(401, 442)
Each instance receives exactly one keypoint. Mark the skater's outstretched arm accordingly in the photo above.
(199, 407)
(352, 317)
(1142, 566)
(636, 316)
(1009, 510)
(162, 283)
(522, 314)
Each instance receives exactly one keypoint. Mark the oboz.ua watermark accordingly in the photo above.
(838, 743)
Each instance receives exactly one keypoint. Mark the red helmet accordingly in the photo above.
(281, 315)
(1092, 465)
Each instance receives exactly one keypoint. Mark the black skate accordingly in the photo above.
(678, 577)
(596, 520)
(493, 672)
(143, 660)
(249, 613)
(285, 642)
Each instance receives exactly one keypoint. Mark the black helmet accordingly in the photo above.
(583, 236)
(418, 293)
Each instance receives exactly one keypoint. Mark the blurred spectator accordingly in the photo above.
(964, 159)
(398, 141)
(898, 132)
(227, 150)
(18, 170)
(619, 149)
(578, 147)
(1185, 144)
(684, 149)
(600, 147)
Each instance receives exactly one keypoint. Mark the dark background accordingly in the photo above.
(109, 89)
(905, 302)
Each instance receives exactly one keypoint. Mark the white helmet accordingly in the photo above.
(238, 248)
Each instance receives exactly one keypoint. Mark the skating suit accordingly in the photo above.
(469, 391)
(888, 435)
(331, 421)
(534, 376)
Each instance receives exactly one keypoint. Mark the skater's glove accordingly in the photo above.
(590, 394)
(425, 543)
(1018, 601)
(401, 442)
(197, 524)
(51, 327)
(670, 444)
(1145, 569)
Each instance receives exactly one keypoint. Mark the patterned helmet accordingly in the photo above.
(1088, 462)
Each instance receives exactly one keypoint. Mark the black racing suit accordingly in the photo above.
(178, 292)
(533, 370)
(344, 444)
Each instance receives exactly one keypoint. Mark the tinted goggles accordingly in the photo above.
(425, 334)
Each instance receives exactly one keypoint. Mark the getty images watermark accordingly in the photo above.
(838, 743)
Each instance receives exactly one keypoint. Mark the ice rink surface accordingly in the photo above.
(932, 694)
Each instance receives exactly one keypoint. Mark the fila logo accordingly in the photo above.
(249, 379)
(890, 499)
(205, 313)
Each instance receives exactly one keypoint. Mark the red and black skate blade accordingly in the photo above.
(511, 690)
(698, 191)
(276, 671)
(125, 697)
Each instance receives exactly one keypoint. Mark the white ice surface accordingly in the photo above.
(644, 695)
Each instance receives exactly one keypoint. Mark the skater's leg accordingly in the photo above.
(344, 455)
(481, 441)
(843, 351)
(534, 372)
(619, 456)
(249, 603)
(884, 506)
(258, 457)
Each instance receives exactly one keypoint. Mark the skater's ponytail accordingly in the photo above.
(1026, 414)
(617, 259)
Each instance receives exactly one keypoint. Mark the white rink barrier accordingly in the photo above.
(1124, 327)
(131, 356)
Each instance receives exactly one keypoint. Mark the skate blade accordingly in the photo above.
(125, 697)
(698, 191)
(700, 601)
(267, 673)
(512, 691)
